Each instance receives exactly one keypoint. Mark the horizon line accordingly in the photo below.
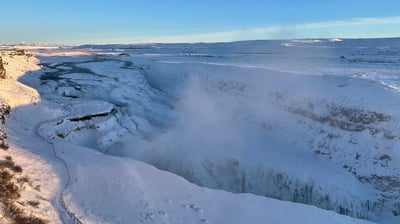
(42, 44)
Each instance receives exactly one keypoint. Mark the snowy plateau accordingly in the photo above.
(285, 131)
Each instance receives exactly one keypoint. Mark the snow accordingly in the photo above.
(308, 121)
(154, 196)
(335, 40)
(24, 148)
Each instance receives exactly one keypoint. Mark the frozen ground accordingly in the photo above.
(307, 121)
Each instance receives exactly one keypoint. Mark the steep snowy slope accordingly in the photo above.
(107, 189)
(330, 113)
(35, 177)
(314, 122)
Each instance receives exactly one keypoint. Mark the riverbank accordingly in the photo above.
(28, 179)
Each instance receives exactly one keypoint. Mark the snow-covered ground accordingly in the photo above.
(308, 121)
(41, 172)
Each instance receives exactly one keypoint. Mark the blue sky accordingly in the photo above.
(129, 21)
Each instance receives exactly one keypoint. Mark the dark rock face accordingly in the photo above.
(20, 52)
(2, 70)
(4, 110)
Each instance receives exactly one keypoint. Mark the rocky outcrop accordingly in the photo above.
(20, 52)
(2, 69)
(4, 110)
(348, 119)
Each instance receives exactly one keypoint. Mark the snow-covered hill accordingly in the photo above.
(306, 121)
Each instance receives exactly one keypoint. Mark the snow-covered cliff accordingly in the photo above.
(301, 121)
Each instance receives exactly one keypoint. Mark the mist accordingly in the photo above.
(234, 129)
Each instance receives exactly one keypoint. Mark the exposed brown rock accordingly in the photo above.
(2, 69)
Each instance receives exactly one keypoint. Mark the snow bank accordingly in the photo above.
(108, 189)
(38, 193)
